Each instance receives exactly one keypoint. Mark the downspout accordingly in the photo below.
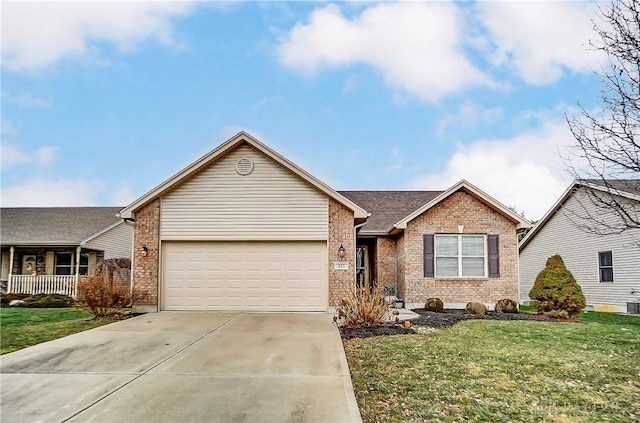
(11, 254)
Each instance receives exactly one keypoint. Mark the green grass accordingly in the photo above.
(506, 371)
(24, 327)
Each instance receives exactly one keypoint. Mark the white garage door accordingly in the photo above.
(264, 276)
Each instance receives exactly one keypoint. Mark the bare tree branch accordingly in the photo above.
(607, 142)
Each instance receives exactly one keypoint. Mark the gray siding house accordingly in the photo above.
(607, 267)
(48, 249)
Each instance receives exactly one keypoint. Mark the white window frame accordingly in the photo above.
(600, 267)
(459, 257)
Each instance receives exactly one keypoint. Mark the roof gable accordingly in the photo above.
(627, 188)
(54, 225)
(477, 193)
(388, 207)
(239, 139)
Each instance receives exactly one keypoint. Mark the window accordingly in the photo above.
(84, 264)
(64, 264)
(605, 265)
(460, 256)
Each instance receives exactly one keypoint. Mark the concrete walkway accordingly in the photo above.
(185, 367)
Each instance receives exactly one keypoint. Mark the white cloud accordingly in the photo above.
(417, 47)
(541, 40)
(469, 115)
(49, 193)
(13, 156)
(25, 100)
(525, 171)
(122, 196)
(38, 34)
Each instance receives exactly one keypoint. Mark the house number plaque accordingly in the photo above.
(341, 265)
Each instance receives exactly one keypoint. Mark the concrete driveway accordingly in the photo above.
(185, 367)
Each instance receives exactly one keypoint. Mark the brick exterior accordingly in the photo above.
(400, 266)
(145, 269)
(460, 208)
(341, 231)
(385, 261)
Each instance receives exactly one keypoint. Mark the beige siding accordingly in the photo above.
(116, 242)
(4, 274)
(579, 251)
(268, 204)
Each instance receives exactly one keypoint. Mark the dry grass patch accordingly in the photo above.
(501, 371)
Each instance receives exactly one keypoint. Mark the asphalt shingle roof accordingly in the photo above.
(53, 225)
(388, 207)
(630, 186)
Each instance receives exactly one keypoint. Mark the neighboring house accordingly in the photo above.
(48, 249)
(243, 228)
(607, 267)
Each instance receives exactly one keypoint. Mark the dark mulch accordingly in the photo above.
(446, 318)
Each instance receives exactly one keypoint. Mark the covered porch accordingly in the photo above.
(46, 269)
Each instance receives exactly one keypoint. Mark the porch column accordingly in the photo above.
(75, 288)
(11, 254)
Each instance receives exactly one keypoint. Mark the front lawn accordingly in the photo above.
(515, 371)
(24, 327)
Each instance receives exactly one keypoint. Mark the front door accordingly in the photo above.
(28, 264)
(362, 267)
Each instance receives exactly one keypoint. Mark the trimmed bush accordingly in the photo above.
(478, 309)
(48, 301)
(434, 304)
(506, 305)
(556, 289)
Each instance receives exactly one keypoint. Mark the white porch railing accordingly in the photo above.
(43, 284)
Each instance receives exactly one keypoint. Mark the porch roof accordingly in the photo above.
(388, 207)
(64, 226)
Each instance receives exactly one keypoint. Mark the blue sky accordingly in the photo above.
(103, 101)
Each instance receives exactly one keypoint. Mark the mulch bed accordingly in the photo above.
(446, 318)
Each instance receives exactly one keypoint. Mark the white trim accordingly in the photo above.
(459, 257)
(481, 195)
(221, 150)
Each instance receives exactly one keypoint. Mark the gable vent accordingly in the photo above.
(244, 166)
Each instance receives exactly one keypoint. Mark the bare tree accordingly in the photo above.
(606, 152)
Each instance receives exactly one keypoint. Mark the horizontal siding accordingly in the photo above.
(579, 251)
(116, 242)
(268, 204)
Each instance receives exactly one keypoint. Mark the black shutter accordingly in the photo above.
(494, 256)
(428, 256)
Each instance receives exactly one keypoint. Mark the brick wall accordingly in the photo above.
(386, 261)
(341, 231)
(400, 266)
(460, 208)
(145, 269)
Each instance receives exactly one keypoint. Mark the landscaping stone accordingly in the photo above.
(16, 303)
(434, 304)
(476, 308)
(506, 305)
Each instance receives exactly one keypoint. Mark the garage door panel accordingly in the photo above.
(266, 276)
